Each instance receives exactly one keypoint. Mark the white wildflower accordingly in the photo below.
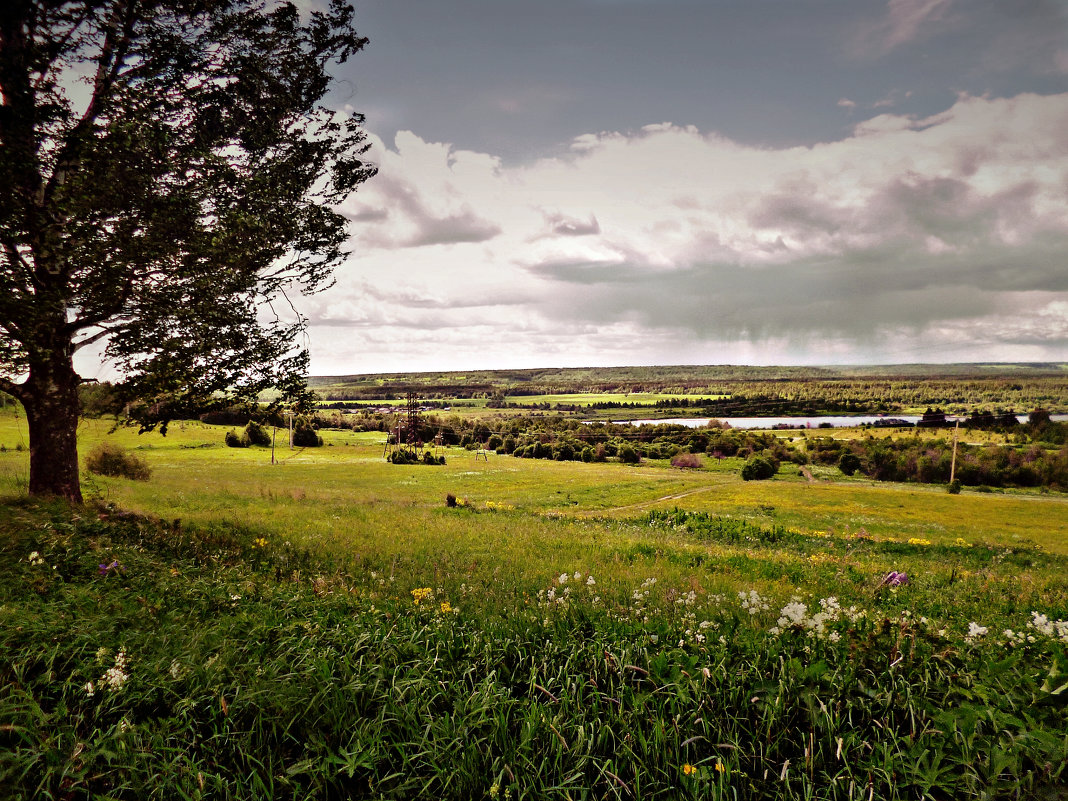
(114, 678)
(975, 631)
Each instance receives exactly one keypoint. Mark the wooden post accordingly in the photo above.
(953, 461)
(274, 435)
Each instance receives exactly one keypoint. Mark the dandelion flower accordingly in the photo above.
(688, 769)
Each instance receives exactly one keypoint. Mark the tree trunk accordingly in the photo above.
(50, 397)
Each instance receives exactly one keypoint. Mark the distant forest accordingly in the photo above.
(776, 390)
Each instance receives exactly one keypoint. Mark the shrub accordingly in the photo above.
(686, 460)
(430, 458)
(849, 463)
(758, 468)
(257, 434)
(450, 500)
(304, 436)
(953, 487)
(109, 459)
(232, 440)
(628, 455)
(403, 456)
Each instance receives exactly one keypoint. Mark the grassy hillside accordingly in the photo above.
(328, 627)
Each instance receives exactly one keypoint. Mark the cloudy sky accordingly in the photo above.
(621, 182)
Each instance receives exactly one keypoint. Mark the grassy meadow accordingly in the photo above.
(327, 627)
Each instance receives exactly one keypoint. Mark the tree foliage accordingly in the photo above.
(170, 174)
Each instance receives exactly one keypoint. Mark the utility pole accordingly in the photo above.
(953, 462)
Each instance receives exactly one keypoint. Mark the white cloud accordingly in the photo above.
(672, 245)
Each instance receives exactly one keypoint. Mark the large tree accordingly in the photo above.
(168, 178)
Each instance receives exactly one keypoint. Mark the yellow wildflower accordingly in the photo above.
(720, 767)
(421, 594)
(963, 543)
(260, 542)
(446, 607)
(688, 769)
(918, 541)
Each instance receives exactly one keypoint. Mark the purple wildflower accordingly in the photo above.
(105, 569)
(895, 579)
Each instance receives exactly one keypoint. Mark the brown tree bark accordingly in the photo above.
(50, 397)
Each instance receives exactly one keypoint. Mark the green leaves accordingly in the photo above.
(174, 209)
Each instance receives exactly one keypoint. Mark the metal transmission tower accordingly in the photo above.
(412, 426)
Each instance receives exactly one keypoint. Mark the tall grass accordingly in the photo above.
(143, 659)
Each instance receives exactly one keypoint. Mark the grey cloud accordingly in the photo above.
(456, 228)
(430, 229)
(411, 299)
(365, 214)
(562, 225)
(855, 293)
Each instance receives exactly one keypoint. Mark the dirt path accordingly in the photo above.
(807, 474)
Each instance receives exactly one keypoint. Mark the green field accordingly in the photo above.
(327, 627)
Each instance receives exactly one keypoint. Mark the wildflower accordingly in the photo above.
(895, 579)
(918, 541)
(688, 769)
(115, 677)
(35, 558)
(975, 631)
(421, 594)
(260, 542)
(752, 602)
(446, 607)
(720, 767)
(90, 690)
(589, 581)
(963, 543)
(563, 578)
(105, 569)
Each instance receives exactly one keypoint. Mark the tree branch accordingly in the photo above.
(108, 63)
(89, 340)
(11, 388)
